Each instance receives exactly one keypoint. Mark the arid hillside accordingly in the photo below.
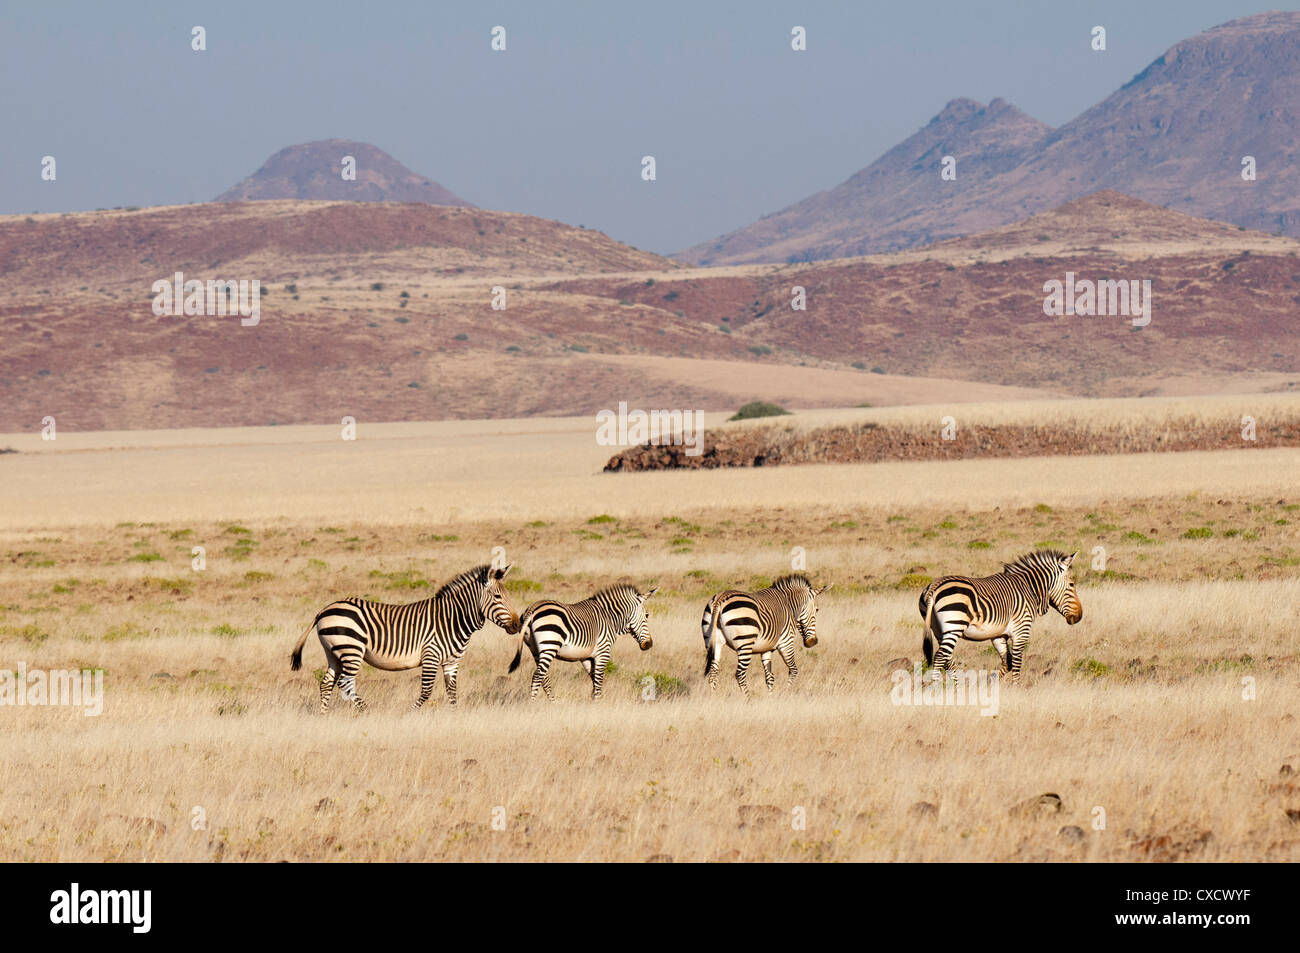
(1224, 305)
(385, 312)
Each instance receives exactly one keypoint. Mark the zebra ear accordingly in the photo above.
(500, 573)
(650, 593)
(1065, 564)
(818, 592)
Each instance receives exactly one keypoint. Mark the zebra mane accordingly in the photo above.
(1038, 559)
(618, 589)
(792, 580)
(477, 576)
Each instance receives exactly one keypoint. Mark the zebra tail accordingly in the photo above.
(523, 634)
(708, 639)
(295, 660)
(927, 640)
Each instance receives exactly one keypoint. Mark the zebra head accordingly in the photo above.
(810, 617)
(803, 599)
(1062, 596)
(638, 624)
(493, 599)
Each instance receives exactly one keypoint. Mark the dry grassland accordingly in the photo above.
(1139, 711)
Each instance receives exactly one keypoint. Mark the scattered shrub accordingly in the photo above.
(759, 408)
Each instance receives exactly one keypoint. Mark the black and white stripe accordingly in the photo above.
(761, 622)
(582, 632)
(1001, 607)
(431, 634)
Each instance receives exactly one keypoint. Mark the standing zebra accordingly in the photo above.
(431, 633)
(582, 632)
(760, 622)
(1001, 607)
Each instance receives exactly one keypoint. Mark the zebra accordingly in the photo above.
(582, 632)
(431, 634)
(1002, 607)
(760, 622)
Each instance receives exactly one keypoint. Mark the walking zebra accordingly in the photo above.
(1001, 607)
(760, 622)
(431, 633)
(582, 632)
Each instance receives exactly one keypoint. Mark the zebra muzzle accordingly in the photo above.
(645, 646)
(810, 641)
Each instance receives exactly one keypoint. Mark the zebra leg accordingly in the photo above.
(590, 666)
(1001, 645)
(348, 680)
(598, 667)
(428, 675)
(449, 681)
(327, 683)
(768, 678)
(743, 654)
(787, 656)
(943, 657)
(540, 680)
(1017, 653)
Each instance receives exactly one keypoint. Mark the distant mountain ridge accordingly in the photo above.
(1174, 135)
(314, 170)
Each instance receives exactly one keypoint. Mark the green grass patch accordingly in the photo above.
(914, 580)
(1090, 667)
(127, 630)
(401, 579)
(178, 585)
(665, 686)
(1220, 666)
(30, 633)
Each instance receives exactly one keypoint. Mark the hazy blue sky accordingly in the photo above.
(555, 126)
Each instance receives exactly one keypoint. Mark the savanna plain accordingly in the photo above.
(1163, 725)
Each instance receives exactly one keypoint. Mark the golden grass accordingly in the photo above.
(1139, 710)
(1170, 756)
